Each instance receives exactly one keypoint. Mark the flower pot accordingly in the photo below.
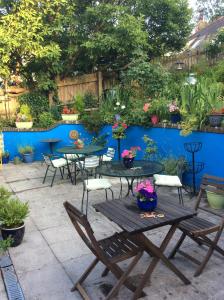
(175, 118)
(70, 117)
(147, 205)
(16, 234)
(5, 159)
(28, 157)
(215, 200)
(215, 120)
(128, 162)
(154, 119)
(80, 146)
(24, 125)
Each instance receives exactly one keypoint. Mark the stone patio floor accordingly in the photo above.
(52, 256)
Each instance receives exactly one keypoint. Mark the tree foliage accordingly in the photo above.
(42, 39)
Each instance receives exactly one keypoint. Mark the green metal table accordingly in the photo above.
(86, 150)
(140, 169)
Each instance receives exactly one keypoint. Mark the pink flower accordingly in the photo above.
(146, 107)
(145, 185)
(125, 153)
(115, 125)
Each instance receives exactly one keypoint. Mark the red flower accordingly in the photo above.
(124, 125)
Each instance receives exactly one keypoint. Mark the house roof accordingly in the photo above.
(200, 36)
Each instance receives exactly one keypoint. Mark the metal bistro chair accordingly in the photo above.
(160, 180)
(109, 155)
(53, 164)
(109, 251)
(74, 158)
(87, 167)
(199, 229)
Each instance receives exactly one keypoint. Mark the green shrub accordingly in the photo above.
(13, 212)
(17, 160)
(46, 120)
(92, 121)
(174, 166)
(5, 244)
(37, 101)
(26, 149)
(55, 111)
(4, 194)
(90, 101)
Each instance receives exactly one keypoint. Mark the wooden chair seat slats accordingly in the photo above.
(109, 251)
(198, 225)
(198, 229)
(118, 246)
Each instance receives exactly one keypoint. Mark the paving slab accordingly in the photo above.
(52, 255)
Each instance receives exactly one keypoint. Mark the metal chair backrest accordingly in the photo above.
(91, 162)
(110, 152)
(211, 183)
(47, 160)
(82, 226)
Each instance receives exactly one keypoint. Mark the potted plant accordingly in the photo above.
(216, 115)
(174, 111)
(12, 215)
(72, 114)
(24, 118)
(5, 157)
(27, 153)
(129, 156)
(215, 197)
(146, 196)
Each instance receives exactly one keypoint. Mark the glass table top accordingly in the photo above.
(140, 168)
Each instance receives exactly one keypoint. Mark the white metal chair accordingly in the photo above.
(109, 155)
(87, 167)
(169, 181)
(53, 164)
(161, 180)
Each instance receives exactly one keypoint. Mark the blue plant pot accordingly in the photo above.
(175, 118)
(28, 157)
(148, 205)
(128, 162)
(5, 160)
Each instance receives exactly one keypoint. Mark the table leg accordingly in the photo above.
(51, 148)
(158, 255)
(130, 186)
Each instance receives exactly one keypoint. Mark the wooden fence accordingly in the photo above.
(70, 87)
(187, 59)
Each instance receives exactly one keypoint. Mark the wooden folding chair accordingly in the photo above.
(109, 251)
(198, 228)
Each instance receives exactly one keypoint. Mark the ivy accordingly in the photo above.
(38, 103)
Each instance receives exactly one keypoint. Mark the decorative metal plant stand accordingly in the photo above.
(193, 167)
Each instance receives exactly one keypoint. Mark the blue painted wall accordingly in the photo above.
(169, 143)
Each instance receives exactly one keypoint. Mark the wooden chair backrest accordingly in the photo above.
(210, 183)
(83, 228)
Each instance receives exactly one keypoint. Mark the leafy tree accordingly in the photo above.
(211, 8)
(43, 39)
(167, 24)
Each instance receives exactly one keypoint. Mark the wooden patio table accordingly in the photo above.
(126, 214)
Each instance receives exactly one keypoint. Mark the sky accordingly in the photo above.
(192, 3)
